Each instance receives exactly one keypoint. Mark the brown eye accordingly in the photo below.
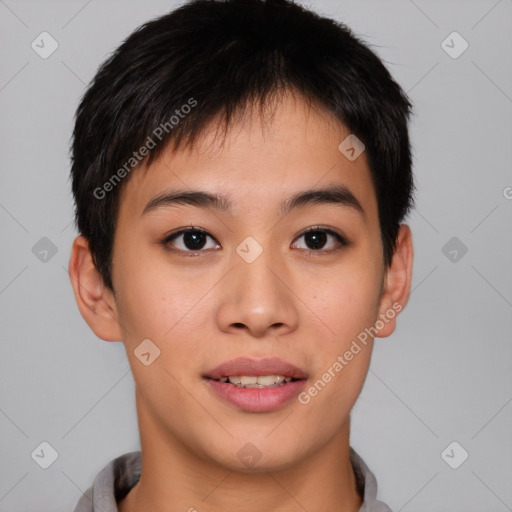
(316, 240)
(190, 240)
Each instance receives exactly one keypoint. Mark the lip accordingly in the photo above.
(256, 399)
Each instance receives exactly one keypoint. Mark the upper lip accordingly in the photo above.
(256, 368)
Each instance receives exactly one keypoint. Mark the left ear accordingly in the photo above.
(397, 283)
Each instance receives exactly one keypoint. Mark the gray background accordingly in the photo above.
(444, 376)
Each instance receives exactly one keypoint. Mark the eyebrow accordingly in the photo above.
(335, 195)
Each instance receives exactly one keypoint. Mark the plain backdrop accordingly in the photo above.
(444, 377)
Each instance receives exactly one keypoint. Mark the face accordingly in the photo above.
(287, 285)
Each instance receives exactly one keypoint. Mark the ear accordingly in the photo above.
(397, 283)
(95, 300)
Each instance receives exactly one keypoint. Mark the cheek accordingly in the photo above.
(341, 359)
(162, 304)
(154, 298)
(346, 351)
(346, 300)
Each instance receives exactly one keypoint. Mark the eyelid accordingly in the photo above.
(187, 229)
(322, 228)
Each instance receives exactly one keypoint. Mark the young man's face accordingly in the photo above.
(254, 285)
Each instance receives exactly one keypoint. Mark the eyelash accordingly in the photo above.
(343, 242)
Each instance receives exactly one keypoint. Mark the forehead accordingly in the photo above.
(259, 162)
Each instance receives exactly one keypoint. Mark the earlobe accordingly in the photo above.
(94, 299)
(397, 282)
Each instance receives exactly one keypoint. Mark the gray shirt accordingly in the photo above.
(117, 478)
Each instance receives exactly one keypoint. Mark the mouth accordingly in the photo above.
(256, 385)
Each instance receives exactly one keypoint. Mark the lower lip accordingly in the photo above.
(257, 399)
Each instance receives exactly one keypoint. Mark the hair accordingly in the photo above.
(211, 60)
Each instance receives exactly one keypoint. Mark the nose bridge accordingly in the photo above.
(257, 298)
(256, 268)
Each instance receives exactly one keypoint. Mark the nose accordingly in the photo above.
(258, 297)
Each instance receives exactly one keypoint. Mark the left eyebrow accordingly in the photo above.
(336, 195)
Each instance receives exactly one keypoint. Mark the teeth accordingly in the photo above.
(245, 381)
(263, 381)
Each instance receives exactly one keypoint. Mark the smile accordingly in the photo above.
(256, 385)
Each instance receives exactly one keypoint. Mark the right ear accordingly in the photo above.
(95, 300)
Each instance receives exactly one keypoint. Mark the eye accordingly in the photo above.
(317, 237)
(190, 240)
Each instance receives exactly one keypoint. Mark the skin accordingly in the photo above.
(302, 306)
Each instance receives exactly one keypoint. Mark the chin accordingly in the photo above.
(258, 456)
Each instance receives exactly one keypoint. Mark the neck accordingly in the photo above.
(173, 478)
